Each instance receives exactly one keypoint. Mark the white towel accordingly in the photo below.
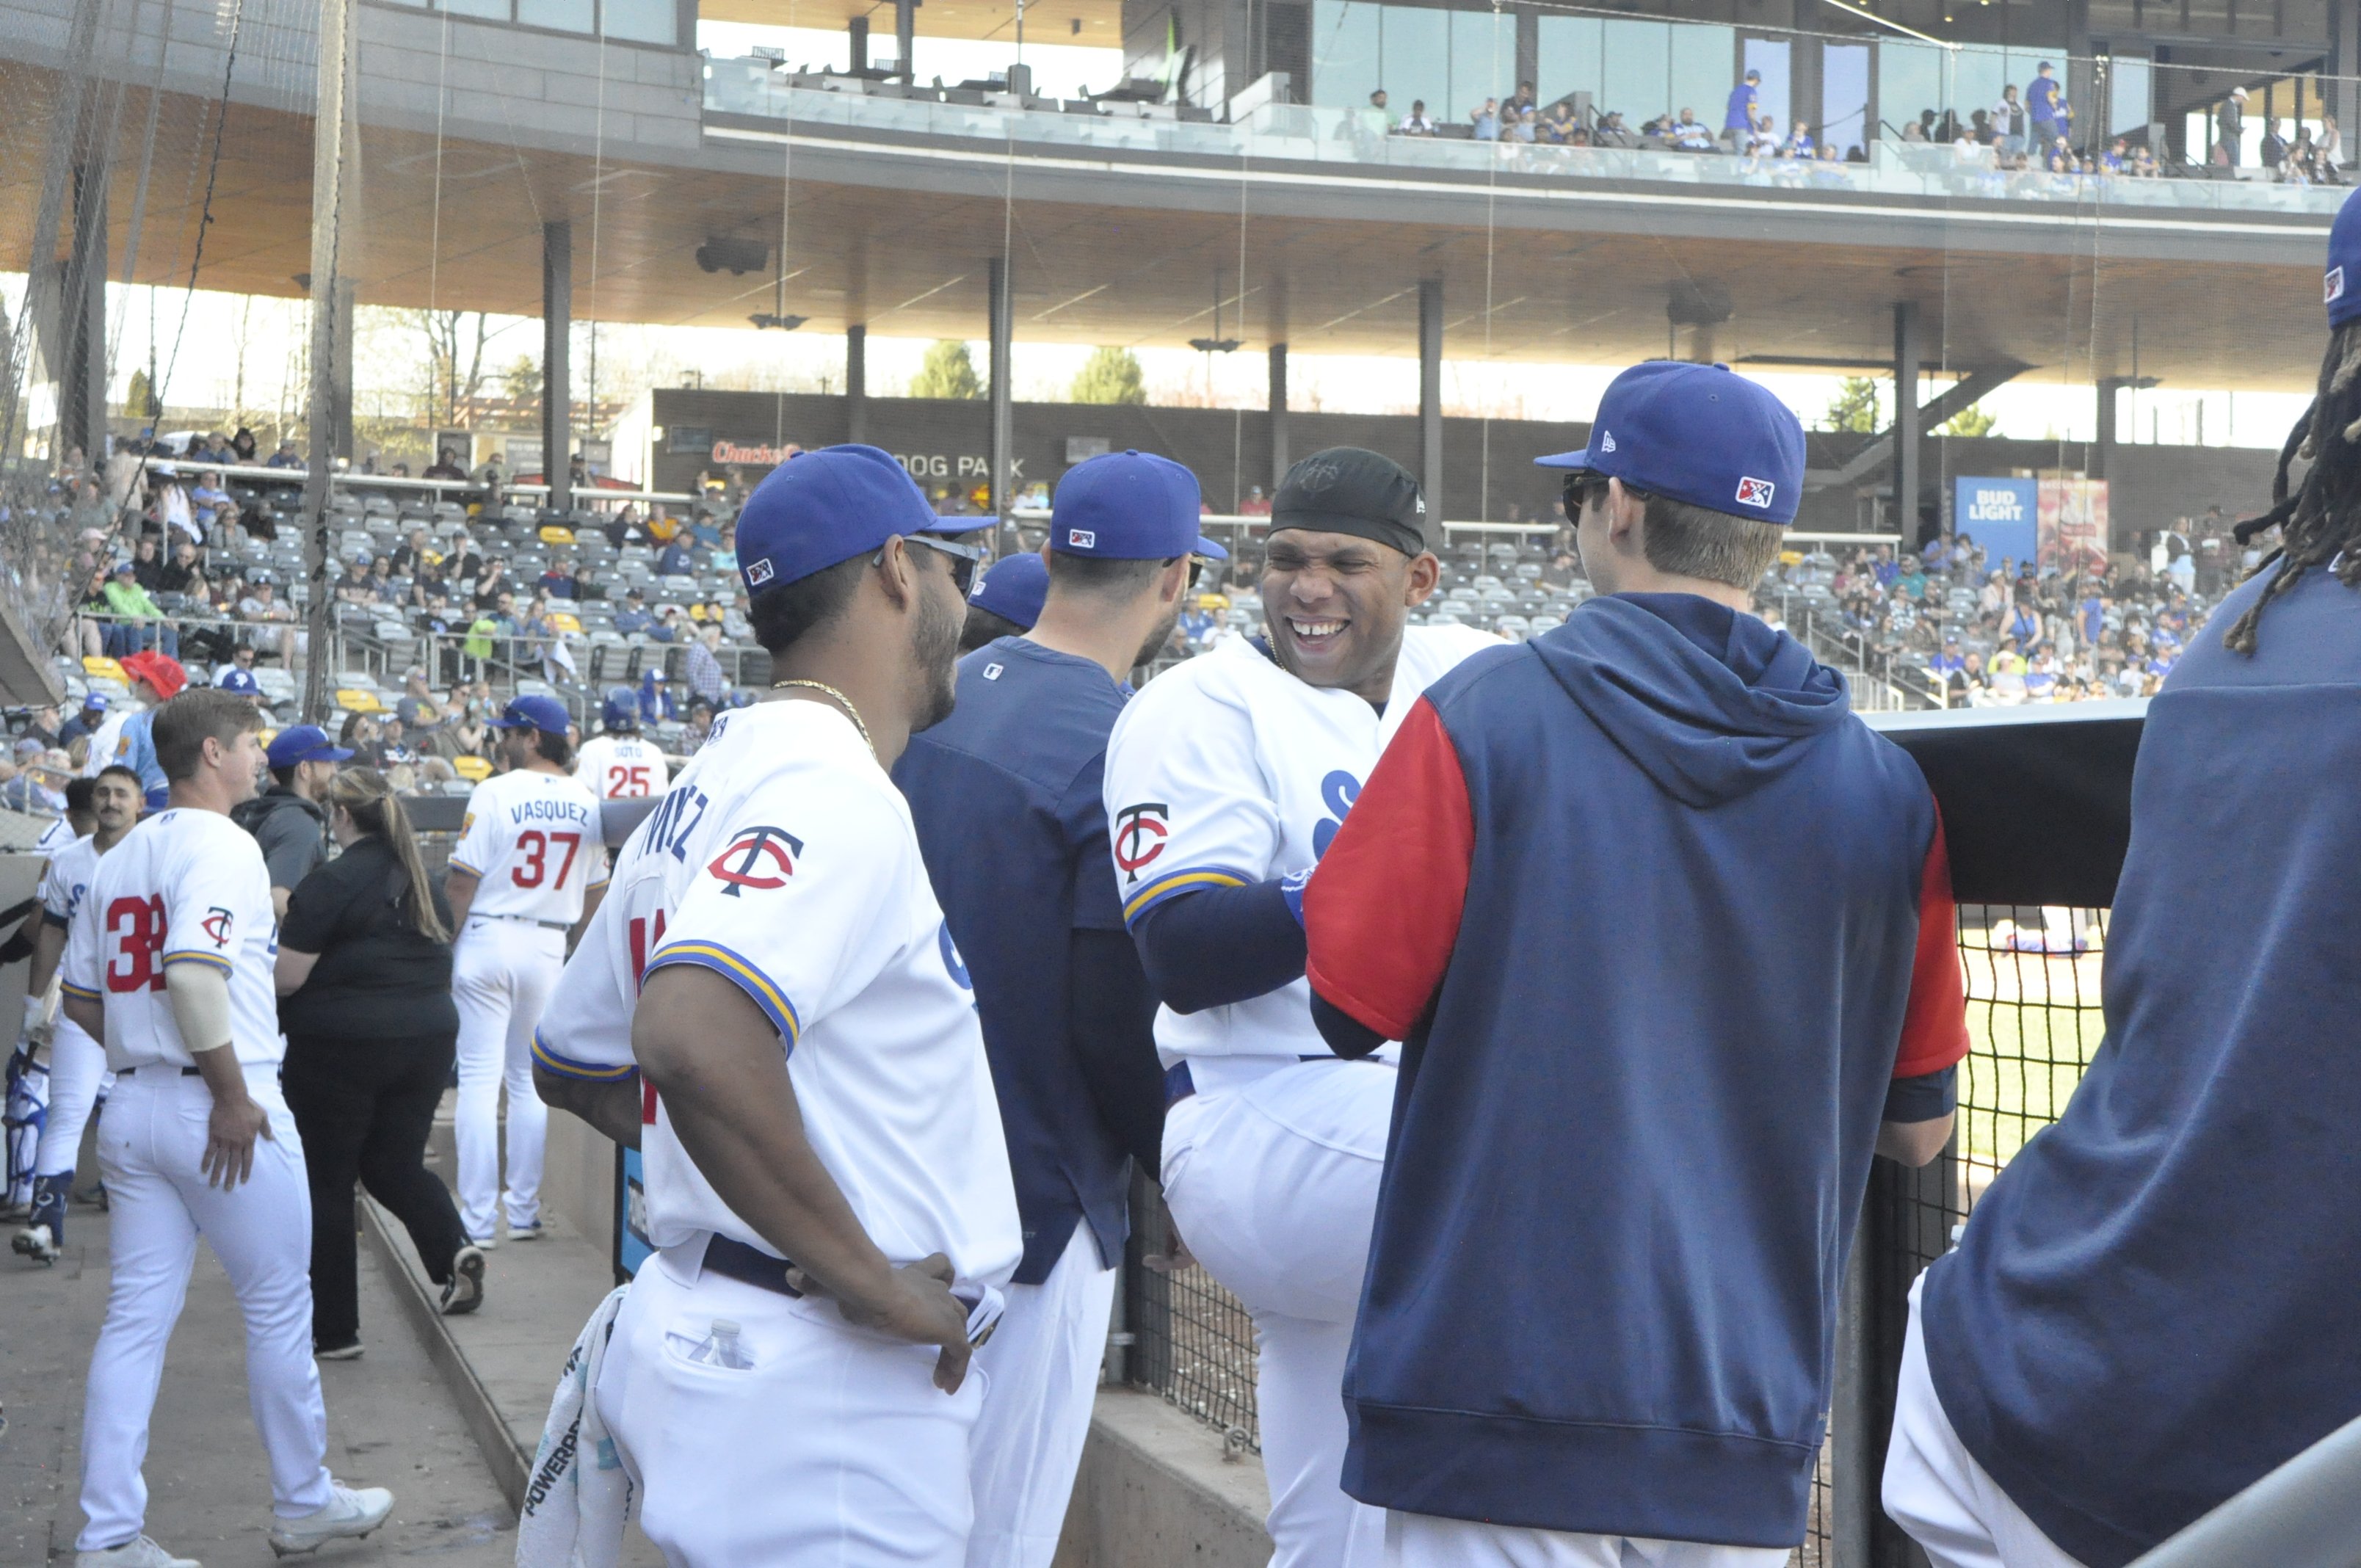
(575, 1512)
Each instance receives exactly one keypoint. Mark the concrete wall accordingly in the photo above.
(1156, 1491)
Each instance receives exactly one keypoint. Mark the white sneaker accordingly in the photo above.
(349, 1512)
(464, 1291)
(483, 1244)
(33, 1241)
(140, 1553)
(532, 1233)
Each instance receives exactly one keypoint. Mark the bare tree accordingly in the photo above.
(455, 353)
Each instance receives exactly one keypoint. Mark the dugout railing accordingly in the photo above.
(2037, 806)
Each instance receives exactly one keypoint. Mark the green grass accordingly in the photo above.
(2025, 1059)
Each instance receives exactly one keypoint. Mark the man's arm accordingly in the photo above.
(49, 947)
(200, 997)
(613, 1108)
(1919, 1101)
(721, 1068)
(459, 886)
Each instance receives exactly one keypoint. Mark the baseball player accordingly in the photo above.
(618, 764)
(826, 1185)
(169, 961)
(1226, 777)
(78, 1076)
(1667, 932)
(1007, 796)
(25, 1091)
(2152, 1305)
(530, 865)
(1006, 601)
(127, 737)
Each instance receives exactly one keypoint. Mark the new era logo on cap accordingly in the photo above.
(1755, 492)
(2332, 288)
(1607, 441)
(1080, 539)
(758, 572)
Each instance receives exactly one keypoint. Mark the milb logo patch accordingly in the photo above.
(1754, 492)
(1082, 538)
(2332, 286)
(758, 572)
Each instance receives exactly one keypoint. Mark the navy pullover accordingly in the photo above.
(2156, 1303)
(1658, 921)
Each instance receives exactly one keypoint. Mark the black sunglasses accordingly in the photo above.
(1575, 494)
(965, 558)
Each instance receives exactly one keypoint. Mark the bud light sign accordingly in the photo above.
(2002, 515)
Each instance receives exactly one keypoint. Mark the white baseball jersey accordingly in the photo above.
(106, 742)
(66, 879)
(1228, 771)
(183, 887)
(57, 836)
(783, 860)
(622, 767)
(533, 841)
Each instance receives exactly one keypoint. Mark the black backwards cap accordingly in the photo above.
(1345, 489)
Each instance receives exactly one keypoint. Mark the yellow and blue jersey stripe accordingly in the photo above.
(737, 968)
(1185, 879)
(194, 956)
(82, 992)
(567, 1067)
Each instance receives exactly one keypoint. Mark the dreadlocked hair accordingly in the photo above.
(2322, 522)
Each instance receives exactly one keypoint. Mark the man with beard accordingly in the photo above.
(826, 1181)
(1226, 779)
(1007, 796)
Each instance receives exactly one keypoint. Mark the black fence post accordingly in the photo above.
(1906, 1224)
(1147, 1292)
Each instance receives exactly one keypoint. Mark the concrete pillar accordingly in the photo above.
(556, 394)
(1003, 435)
(1430, 403)
(2103, 450)
(340, 372)
(905, 35)
(856, 383)
(857, 30)
(1908, 358)
(1280, 460)
(2338, 69)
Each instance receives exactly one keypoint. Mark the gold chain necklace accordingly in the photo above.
(842, 701)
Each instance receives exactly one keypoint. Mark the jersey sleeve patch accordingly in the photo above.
(1181, 880)
(737, 969)
(588, 1072)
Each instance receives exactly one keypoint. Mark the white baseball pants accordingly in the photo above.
(502, 974)
(1422, 1541)
(78, 1076)
(1042, 1365)
(833, 1447)
(148, 1147)
(1274, 1186)
(1938, 1493)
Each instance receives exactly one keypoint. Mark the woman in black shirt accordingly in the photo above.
(365, 1000)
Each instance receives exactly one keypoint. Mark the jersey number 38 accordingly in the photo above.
(138, 923)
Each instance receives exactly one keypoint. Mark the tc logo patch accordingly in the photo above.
(758, 572)
(1754, 492)
(1139, 834)
(1082, 538)
(216, 924)
(742, 864)
(2331, 287)
(1607, 441)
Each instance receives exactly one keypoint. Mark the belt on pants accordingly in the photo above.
(749, 1266)
(1179, 1083)
(158, 1065)
(525, 920)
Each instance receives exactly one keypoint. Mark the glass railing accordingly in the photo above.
(1298, 134)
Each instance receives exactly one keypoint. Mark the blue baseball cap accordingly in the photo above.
(1012, 588)
(829, 506)
(534, 711)
(1129, 505)
(1697, 433)
(303, 743)
(94, 702)
(2340, 286)
(240, 681)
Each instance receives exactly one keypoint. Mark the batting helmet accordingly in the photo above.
(620, 713)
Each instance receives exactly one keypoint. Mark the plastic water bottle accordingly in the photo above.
(720, 1348)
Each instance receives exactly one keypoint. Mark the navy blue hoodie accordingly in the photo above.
(2156, 1303)
(1643, 898)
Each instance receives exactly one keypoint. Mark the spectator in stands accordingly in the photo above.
(491, 584)
(241, 665)
(242, 448)
(144, 624)
(2007, 122)
(360, 734)
(633, 618)
(146, 567)
(626, 529)
(735, 624)
(1417, 124)
(668, 628)
(656, 704)
(2230, 122)
(586, 587)
(699, 726)
(1486, 118)
(274, 634)
(42, 726)
(183, 573)
(703, 672)
(492, 476)
(354, 586)
(558, 581)
(2274, 149)
(1739, 117)
(30, 789)
(286, 456)
(676, 561)
(725, 554)
(704, 529)
(86, 719)
(412, 553)
(663, 527)
(208, 498)
(287, 819)
(429, 584)
(445, 465)
(416, 707)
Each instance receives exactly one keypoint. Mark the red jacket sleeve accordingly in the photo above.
(1381, 912)
(1934, 1025)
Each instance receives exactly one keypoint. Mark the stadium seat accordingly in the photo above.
(475, 769)
(357, 699)
(550, 533)
(102, 668)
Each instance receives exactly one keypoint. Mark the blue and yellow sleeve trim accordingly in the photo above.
(1173, 883)
(454, 863)
(735, 967)
(81, 992)
(587, 1073)
(192, 955)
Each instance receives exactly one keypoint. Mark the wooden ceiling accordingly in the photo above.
(461, 229)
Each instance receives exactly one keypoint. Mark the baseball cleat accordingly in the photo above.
(464, 1291)
(140, 1553)
(532, 1233)
(33, 1241)
(341, 1353)
(350, 1512)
